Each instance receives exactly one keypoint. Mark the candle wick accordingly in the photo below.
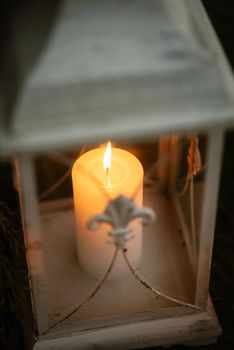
(108, 177)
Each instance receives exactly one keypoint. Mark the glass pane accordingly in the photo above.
(121, 271)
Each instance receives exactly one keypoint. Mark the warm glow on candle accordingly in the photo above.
(92, 195)
(107, 158)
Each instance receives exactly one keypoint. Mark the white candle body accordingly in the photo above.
(126, 178)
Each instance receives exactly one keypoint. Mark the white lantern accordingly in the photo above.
(151, 78)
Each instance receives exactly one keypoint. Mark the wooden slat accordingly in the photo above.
(33, 241)
(167, 331)
(209, 206)
(135, 76)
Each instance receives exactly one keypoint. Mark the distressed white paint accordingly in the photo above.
(208, 215)
(124, 70)
(170, 330)
(33, 240)
(130, 74)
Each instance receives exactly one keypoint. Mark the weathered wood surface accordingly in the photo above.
(123, 70)
(191, 329)
(33, 240)
(208, 215)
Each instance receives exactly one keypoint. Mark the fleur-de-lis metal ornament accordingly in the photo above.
(118, 214)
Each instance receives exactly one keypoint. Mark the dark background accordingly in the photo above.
(15, 315)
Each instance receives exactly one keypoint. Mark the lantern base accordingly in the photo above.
(197, 328)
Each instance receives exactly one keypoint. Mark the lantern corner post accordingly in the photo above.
(208, 216)
(26, 186)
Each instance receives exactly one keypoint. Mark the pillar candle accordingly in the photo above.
(95, 183)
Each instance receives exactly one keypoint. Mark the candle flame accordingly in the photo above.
(107, 158)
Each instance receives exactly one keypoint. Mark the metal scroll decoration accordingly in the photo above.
(119, 214)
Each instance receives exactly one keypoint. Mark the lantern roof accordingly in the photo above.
(122, 69)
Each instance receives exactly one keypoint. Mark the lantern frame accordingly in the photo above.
(178, 325)
(171, 317)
